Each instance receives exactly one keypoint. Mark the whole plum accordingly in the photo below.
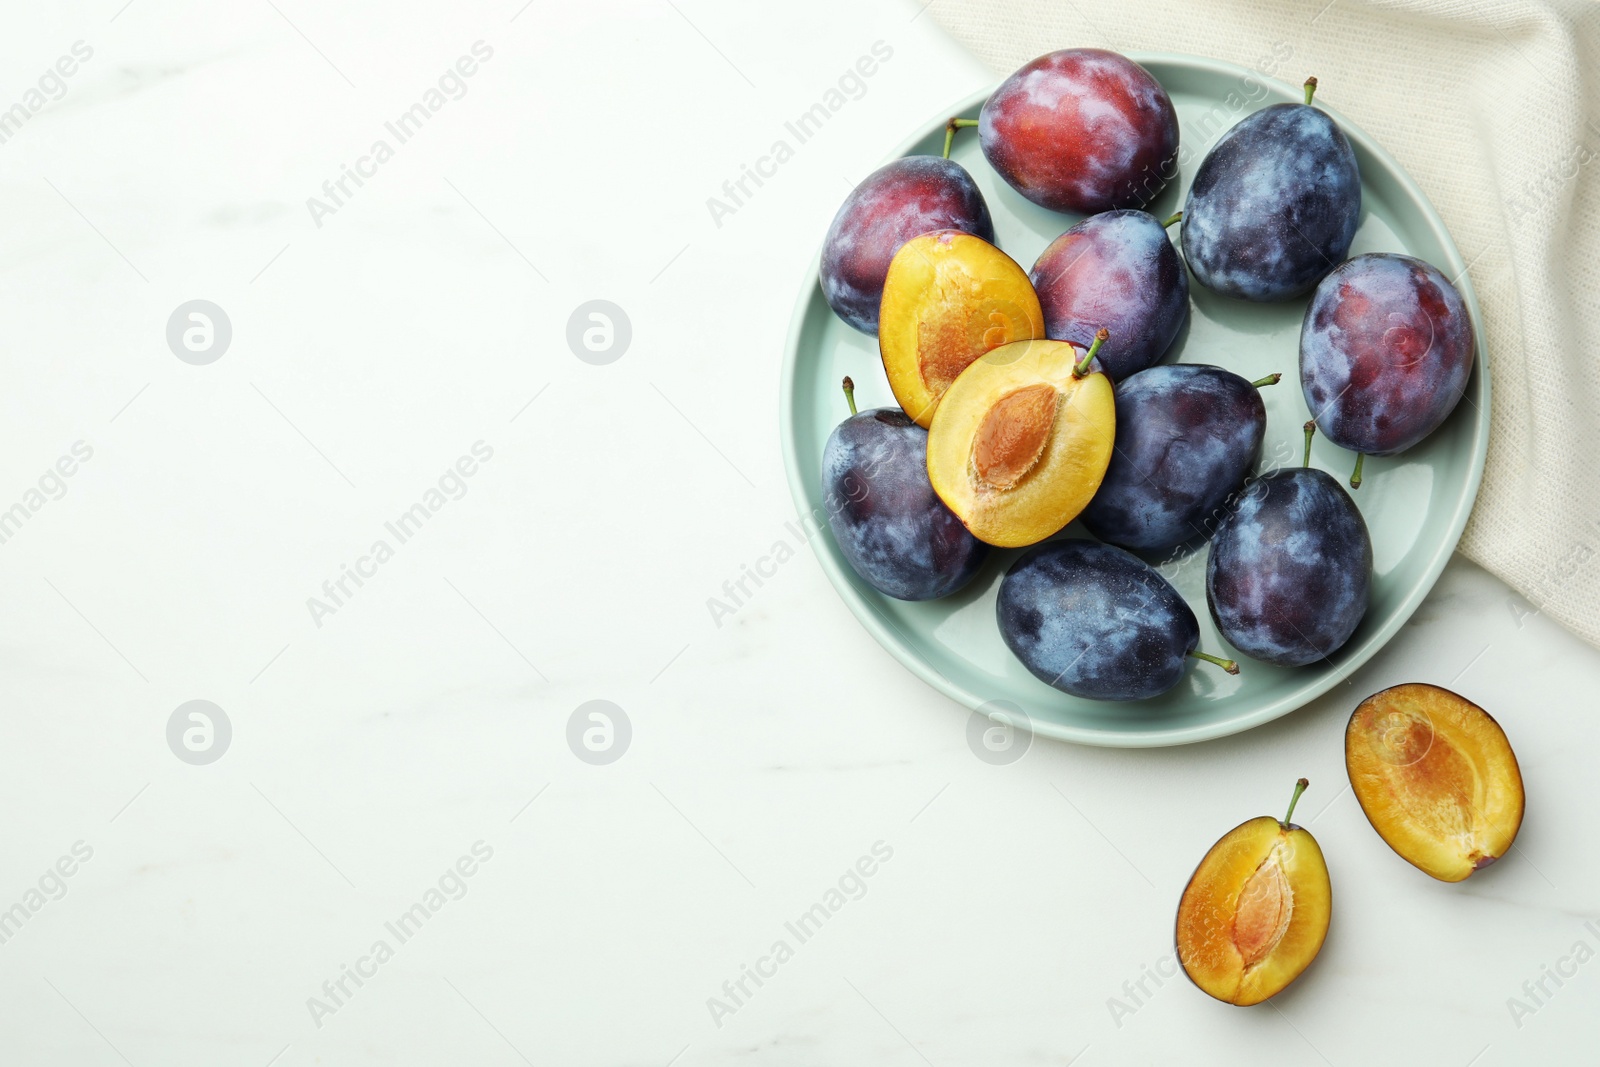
(1188, 435)
(1097, 622)
(1117, 271)
(1385, 353)
(904, 199)
(889, 524)
(1274, 205)
(1290, 570)
(1081, 130)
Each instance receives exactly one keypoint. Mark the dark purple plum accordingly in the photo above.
(1188, 435)
(1290, 570)
(1274, 206)
(1081, 130)
(1385, 353)
(904, 199)
(1097, 622)
(1117, 271)
(892, 528)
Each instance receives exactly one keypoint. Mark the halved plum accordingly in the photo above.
(1436, 777)
(949, 297)
(1021, 440)
(1255, 913)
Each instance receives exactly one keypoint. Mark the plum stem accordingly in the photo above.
(1177, 216)
(950, 129)
(1088, 357)
(1311, 89)
(1311, 429)
(1271, 379)
(1299, 787)
(1226, 664)
(850, 393)
(1355, 476)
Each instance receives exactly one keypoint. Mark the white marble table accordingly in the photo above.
(399, 859)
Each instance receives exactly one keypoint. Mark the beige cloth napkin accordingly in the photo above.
(1494, 108)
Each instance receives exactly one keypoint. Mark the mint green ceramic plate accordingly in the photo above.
(1415, 504)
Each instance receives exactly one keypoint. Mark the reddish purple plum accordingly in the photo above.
(1116, 271)
(904, 199)
(892, 528)
(1188, 435)
(1290, 570)
(1274, 205)
(1082, 130)
(1385, 353)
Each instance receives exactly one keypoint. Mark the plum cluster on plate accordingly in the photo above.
(1030, 398)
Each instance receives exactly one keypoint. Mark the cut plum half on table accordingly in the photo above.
(1255, 913)
(1436, 777)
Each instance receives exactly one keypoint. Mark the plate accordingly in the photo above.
(1415, 504)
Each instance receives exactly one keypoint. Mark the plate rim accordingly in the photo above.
(867, 615)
